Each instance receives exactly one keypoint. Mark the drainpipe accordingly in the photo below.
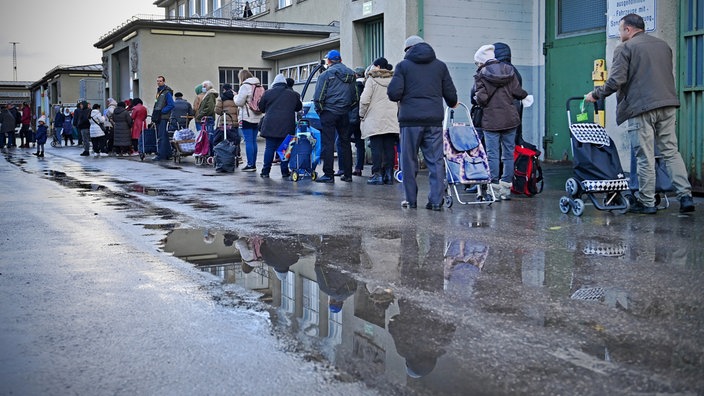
(421, 12)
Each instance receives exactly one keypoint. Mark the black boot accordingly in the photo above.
(389, 176)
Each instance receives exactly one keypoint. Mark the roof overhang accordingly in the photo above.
(325, 44)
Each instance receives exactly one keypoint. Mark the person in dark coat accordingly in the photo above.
(82, 116)
(41, 135)
(182, 113)
(123, 129)
(7, 133)
(67, 127)
(420, 84)
(279, 105)
(59, 119)
(502, 53)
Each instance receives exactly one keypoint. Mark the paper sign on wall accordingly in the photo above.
(618, 9)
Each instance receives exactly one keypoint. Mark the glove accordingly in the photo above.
(527, 101)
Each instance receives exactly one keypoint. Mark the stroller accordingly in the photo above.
(302, 151)
(183, 144)
(466, 163)
(597, 168)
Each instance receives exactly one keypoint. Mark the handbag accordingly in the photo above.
(100, 124)
(477, 112)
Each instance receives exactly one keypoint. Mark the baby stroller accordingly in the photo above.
(466, 162)
(201, 152)
(183, 144)
(597, 168)
(302, 151)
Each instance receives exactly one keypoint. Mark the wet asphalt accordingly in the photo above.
(509, 298)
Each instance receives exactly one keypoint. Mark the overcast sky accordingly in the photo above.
(59, 32)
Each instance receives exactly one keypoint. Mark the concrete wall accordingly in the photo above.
(666, 28)
(306, 11)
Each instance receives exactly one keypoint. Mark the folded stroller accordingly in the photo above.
(597, 168)
(466, 163)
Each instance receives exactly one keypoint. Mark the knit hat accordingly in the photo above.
(333, 55)
(279, 79)
(42, 119)
(199, 89)
(411, 41)
(226, 87)
(383, 63)
(484, 53)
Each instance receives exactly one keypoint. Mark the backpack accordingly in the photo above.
(527, 173)
(257, 93)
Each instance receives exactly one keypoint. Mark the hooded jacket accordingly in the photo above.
(496, 86)
(336, 90)
(279, 105)
(244, 95)
(123, 127)
(139, 118)
(378, 113)
(95, 118)
(420, 84)
(226, 104)
(207, 106)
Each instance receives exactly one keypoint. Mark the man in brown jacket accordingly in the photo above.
(642, 75)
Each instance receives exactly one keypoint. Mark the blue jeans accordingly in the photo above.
(163, 145)
(500, 144)
(250, 145)
(269, 149)
(429, 140)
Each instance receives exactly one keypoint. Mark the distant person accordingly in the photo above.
(123, 129)
(161, 114)
(290, 82)
(109, 125)
(335, 95)
(355, 131)
(76, 113)
(67, 131)
(642, 75)
(196, 103)
(59, 119)
(280, 105)
(379, 122)
(249, 119)
(7, 132)
(420, 84)
(502, 52)
(97, 135)
(139, 121)
(247, 10)
(182, 113)
(226, 108)
(83, 123)
(41, 136)
(26, 121)
(206, 111)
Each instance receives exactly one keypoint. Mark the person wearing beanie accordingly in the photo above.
(196, 102)
(280, 104)
(41, 136)
(379, 122)
(496, 87)
(181, 114)
(420, 85)
(225, 105)
(335, 95)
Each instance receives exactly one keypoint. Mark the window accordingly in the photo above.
(578, 16)
(310, 303)
(203, 8)
(288, 292)
(191, 8)
(262, 75)
(217, 12)
(285, 3)
(182, 10)
(299, 73)
(228, 75)
(172, 13)
(373, 40)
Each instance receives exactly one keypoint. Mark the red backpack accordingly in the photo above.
(527, 173)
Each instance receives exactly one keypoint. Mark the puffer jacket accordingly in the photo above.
(642, 84)
(226, 104)
(336, 90)
(420, 83)
(41, 134)
(95, 118)
(244, 95)
(207, 106)
(496, 86)
(123, 127)
(379, 115)
(280, 105)
(139, 119)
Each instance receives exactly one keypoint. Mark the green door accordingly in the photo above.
(575, 37)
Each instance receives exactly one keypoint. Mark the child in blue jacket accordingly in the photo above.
(41, 136)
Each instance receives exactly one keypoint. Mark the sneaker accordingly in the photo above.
(406, 204)
(249, 168)
(347, 179)
(264, 175)
(638, 207)
(85, 154)
(357, 172)
(339, 173)
(325, 179)
(686, 204)
(435, 207)
(505, 191)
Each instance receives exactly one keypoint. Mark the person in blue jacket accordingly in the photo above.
(161, 114)
(41, 136)
(420, 84)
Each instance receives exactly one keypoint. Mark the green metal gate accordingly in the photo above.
(575, 37)
(691, 79)
(373, 40)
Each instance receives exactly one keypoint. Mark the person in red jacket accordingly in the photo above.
(25, 132)
(139, 116)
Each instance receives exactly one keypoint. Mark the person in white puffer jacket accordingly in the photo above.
(250, 120)
(97, 136)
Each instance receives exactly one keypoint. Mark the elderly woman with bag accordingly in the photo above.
(379, 121)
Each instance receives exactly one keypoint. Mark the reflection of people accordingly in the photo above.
(419, 261)
(280, 254)
(337, 285)
(419, 336)
(344, 250)
(463, 261)
(420, 84)
(208, 236)
(642, 75)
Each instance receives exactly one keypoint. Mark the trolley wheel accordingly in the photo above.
(398, 175)
(141, 156)
(622, 199)
(448, 201)
(210, 161)
(53, 143)
(577, 207)
(294, 176)
(564, 205)
(572, 187)
(314, 176)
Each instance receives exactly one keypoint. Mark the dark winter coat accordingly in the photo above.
(336, 90)
(8, 121)
(181, 111)
(83, 117)
(420, 84)
(68, 126)
(496, 87)
(123, 127)
(279, 105)
(41, 134)
(59, 119)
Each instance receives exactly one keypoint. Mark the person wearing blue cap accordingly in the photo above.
(335, 95)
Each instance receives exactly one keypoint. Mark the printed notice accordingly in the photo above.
(618, 9)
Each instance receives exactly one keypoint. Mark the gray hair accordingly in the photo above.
(207, 84)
